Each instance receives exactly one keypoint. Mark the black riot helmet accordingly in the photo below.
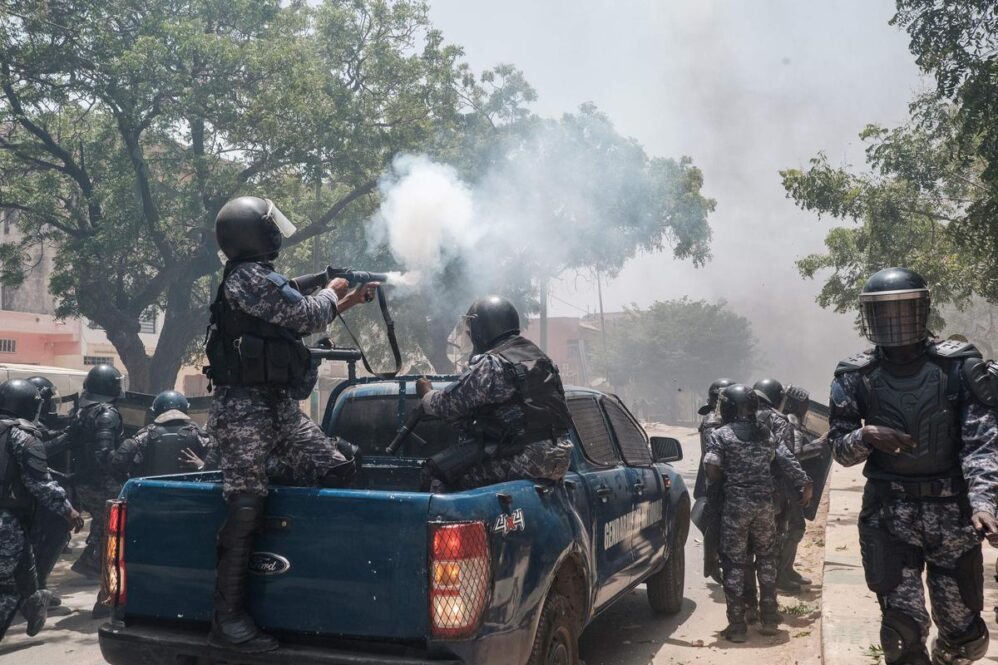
(169, 400)
(20, 399)
(103, 384)
(251, 228)
(771, 391)
(894, 308)
(712, 394)
(490, 320)
(49, 393)
(739, 404)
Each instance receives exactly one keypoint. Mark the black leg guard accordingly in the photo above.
(49, 536)
(963, 649)
(231, 625)
(901, 640)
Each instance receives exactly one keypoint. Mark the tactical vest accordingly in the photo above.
(245, 350)
(536, 411)
(83, 447)
(922, 399)
(166, 442)
(14, 496)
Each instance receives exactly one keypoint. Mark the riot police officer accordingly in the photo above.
(95, 431)
(49, 532)
(741, 453)
(509, 405)
(790, 525)
(167, 445)
(260, 368)
(711, 497)
(710, 420)
(921, 414)
(24, 483)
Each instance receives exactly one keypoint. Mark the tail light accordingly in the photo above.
(113, 579)
(460, 578)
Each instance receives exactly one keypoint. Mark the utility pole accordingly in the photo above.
(544, 313)
(602, 328)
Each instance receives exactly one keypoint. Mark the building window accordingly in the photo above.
(8, 346)
(98, 360)
(147, 322)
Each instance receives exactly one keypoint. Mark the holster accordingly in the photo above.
(450, 464)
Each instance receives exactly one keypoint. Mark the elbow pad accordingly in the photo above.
(981, 380)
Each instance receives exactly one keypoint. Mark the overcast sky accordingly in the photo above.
(745, 89)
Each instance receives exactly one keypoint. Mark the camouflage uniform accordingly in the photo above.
(260, 430)
(486, 382)
(127, 461)
(745, 453)
(709, 422)
(934, 532)
(95, 431)
(17, 578)
(790, 525)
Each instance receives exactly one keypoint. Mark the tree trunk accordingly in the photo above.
(183, 322)
(132, 351)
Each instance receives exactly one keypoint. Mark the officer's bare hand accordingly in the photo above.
(362, 294)
(806, 494)
(340, 287)
(887, 439)
(75, 519)
(190, 459)
(423, 386)
(987, 525)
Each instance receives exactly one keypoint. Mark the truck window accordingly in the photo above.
(593, 433)
(371, 423)
(631, 438)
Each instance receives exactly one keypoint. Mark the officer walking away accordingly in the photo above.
(50, 534)
(260, 368)
(95, 431)
(170, 444)
(921, 414)
(741, 453)
(509, 406)
(24, 483)
(790, 525)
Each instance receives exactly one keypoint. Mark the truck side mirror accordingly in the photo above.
(665, 449)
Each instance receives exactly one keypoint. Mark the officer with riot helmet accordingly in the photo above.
(24, 484)
(790, 514)
(740, 453)
(921, 414)
(260, 368)
(509, 406)
(49, 532)
(95, 430)
(171, 443)
(710, 420)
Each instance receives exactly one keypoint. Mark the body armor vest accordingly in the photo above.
(537, 410)
(244, 350)
(925, 405)
(14, 496)
(166, 442)
(84, 446)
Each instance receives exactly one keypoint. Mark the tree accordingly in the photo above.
(675, 345)
(125, 126)
(929, 197)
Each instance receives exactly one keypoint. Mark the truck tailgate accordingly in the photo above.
(331, 562)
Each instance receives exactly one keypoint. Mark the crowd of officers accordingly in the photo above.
(920, 413)
(55, 468)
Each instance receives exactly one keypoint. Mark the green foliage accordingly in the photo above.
(677, 344)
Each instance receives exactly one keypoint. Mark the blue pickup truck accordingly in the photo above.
(385, 573)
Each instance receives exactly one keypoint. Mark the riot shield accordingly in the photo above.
(712, 533)
(134, 410)
(199, 407)
(816, 459)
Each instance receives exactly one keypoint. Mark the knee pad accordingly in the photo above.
(971, 645)
(901, 639)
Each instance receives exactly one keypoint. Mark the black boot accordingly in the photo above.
(88, 564)
(769, 613)
(35, 609)
(788, 555)
(231, 626)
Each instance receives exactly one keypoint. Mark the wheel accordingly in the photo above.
(665, 588)
(555, 642)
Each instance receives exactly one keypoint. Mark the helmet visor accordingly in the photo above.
(895, 318)
(282, 223)
(459, 344)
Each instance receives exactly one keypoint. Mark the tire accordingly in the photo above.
(556, 642)
(665, 588)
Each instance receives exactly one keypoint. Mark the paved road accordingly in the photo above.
(627, 634)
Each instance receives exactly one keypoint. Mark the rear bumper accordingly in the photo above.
(167, 645)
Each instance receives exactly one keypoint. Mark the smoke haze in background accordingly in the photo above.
(746, 89)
